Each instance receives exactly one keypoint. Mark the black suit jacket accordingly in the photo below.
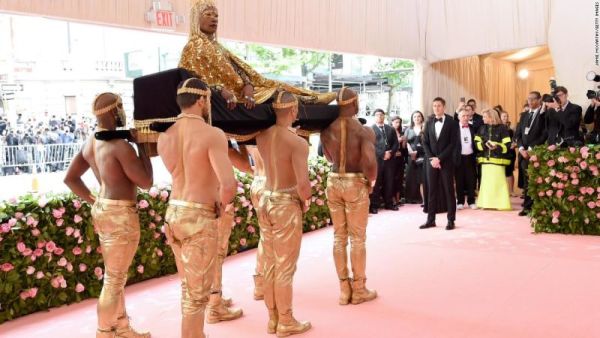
(380, 141)
(564, 125)
(445, 146)
(538, 133)
(592, 115)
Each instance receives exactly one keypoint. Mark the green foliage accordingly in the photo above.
(398, 72)
(565, 187)
(50, 254)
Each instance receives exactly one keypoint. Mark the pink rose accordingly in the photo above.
(41, 244)
(533, 158)
(69, 267)
(140, 269)
(35, 232)
(563, 159)
(598, 155)
(551, 163)
(77, 219)
(556, 214)
(590, 190)
(55, 283)
(79, 288)
(38, 252)
(153, 192)
(30, 220)
(591, 205)
(39, 275)
(5, 228)
(552, 147)
(152, 225)
(549, 193)
(59, 222)
(561, 185)
(98, 272)
(12, 222)
(319, 202)
(583, 165)
(541, 194)
(159, 252)
(158, 218)
(151, 212)
(560, 193)
(27, 252)
(555, 220)
(572, 150)
(88, 249)
(69, 231)
(33, 292)
(575, 182)
(77, 233)
(82, 267)
(50, 246)
(143, 204)
(536, 164)
(62, 262)
(250, 229)
(242, 241)
(76, 204)
(539, 180)
(59, 251)
(56, 213)
(21, 247)
(63, 283)
(156, 235)
(598, 203)
(240, 191)
(77, 251)
(30, 270)
(164, 195)
(24, 295)
(238, 220)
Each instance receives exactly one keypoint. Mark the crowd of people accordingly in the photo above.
(42, 144)
(485, 149)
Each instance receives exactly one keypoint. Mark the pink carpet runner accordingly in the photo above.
(491, 277)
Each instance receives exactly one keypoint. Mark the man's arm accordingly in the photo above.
(448, 152)
(73, 180)
(368, 160)
(300, 165)
(324, 148)
(136, 167)
(217, 155)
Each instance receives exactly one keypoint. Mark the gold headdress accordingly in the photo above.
(279, 105)
(197, 9)
(340, 96)
(107, 109)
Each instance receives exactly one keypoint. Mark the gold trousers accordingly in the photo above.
(192, 233)
(281, 230)
(118, 228)
(256, 189)
(223, 232)
(348, 201)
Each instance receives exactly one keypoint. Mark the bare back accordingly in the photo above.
(110, 162)
(191, 151)
(285, 157)
(356, 149)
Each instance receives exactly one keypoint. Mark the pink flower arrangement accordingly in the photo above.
(59, 222)
(82, 267)
(39, 275)
(250, 229)
(140, 269)
(57, 213)
(153, 192)
(77, 251)
(551, 163)
(552, 147)
(242, 241)
(164, 195)
(59, 251)
(77, 204)
(30, 270)
(35, 232)
(98, 272)
(30, 293)
(69, 231)
(583, 165)
(21, 247)
(50, 246)
(591, 205)
(62, 262)
(77, 219)
(319, 202)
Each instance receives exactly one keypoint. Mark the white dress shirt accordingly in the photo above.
(438, 126)
(466, 143)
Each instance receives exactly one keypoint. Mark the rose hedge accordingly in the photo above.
(50, 255)
(565, 187)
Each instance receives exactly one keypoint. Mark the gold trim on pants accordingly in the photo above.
(192, 234)
(348, 201)
(256, 189)
(118, 228)
(281, 225)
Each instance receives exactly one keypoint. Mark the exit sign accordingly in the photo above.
(164, 19)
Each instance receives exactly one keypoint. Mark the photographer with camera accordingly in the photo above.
(564, 118)
(592, 115)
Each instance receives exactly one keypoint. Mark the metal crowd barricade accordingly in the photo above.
(36, 157)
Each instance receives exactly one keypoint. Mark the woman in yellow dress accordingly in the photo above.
(493, 142)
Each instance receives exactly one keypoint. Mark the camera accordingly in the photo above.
(591, 94)
(550, 98)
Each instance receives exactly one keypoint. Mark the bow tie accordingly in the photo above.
(441, 119)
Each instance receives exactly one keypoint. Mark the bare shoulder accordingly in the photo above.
(368, 134)
(298, 143)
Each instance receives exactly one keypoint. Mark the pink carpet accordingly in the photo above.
(491, 277)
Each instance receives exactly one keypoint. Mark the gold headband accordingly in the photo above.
(345, 102)
(196, 91)
(108, 108)
(278, 105)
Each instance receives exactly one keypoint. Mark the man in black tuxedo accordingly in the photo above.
(440, 141)
(386, 145)
(532, 133)
(564, 120)
(466, 166)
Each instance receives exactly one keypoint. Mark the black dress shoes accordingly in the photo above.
(373, 211)
(427, 226)
(450, 225)
(391, 207)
